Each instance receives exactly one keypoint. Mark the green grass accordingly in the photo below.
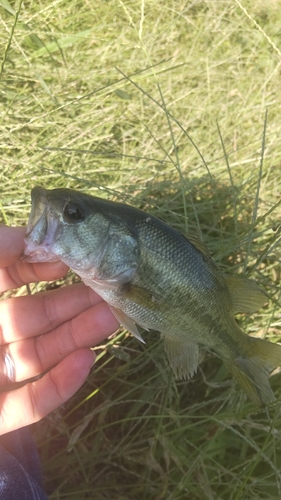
(173, 107)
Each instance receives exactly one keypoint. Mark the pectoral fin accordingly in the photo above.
(246, 295)
(182, 355)
(127, 323)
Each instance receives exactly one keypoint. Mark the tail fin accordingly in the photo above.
(252, 370)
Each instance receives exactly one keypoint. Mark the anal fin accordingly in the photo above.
(183, 356)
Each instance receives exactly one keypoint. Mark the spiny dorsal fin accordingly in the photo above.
(197, 243)
(246, 295)
(182, 355)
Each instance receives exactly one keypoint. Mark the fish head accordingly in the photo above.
(81, 231)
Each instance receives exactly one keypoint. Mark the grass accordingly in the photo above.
(173, 107)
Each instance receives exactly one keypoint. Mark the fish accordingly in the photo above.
(154, 277)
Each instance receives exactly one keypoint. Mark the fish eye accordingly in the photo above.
(73, 213)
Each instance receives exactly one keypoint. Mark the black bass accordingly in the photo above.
(154, 277)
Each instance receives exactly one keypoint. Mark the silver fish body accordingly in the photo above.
(153, 276)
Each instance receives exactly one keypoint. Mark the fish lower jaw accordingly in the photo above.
(35, 253)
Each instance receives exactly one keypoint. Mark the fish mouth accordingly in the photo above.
(41, 230)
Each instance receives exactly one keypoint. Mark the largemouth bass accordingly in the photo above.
(154, 277)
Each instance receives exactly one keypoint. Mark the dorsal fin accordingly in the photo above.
(246, 295)
(197, 243)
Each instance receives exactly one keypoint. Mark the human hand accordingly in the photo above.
(47, 331)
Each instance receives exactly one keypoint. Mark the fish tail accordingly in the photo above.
(252, 369)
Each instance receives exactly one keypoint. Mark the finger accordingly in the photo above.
(21, 273)
(32, 356)
(22, 317)
(11, 244)
(35, 400)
